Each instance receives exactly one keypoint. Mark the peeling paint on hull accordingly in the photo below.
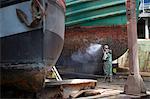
(115, 36)
(26, 79)
(78, 39)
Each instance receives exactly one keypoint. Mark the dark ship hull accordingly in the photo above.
(27, 51)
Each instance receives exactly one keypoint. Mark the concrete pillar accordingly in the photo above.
(146, 29)
(134, 84)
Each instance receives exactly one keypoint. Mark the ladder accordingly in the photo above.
(56, 73)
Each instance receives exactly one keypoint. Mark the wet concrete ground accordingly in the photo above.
(118, 83)
(114, 90)
(118, 86)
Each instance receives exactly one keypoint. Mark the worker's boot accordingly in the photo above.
(110, 78)
(105, 78)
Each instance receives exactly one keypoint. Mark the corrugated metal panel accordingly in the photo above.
(96, 12)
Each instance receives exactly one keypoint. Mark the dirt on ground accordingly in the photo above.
(118, 83)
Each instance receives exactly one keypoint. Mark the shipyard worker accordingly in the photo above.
(107, 59)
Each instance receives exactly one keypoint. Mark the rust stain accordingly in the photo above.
(31, 81)
(80, 37)
(75, 58)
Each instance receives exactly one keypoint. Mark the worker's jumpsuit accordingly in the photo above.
(107, 64)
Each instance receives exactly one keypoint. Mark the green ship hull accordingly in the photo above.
(96, 12)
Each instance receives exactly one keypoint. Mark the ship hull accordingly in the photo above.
(79, 42)
(23, 62)
(27, 52)
(91, 22)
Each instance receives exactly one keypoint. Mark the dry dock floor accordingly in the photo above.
(114, 90)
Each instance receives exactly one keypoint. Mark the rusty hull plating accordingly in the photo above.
(79, 37)
(75, 58)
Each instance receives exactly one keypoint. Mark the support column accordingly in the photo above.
(146, 29)
(134, 84)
